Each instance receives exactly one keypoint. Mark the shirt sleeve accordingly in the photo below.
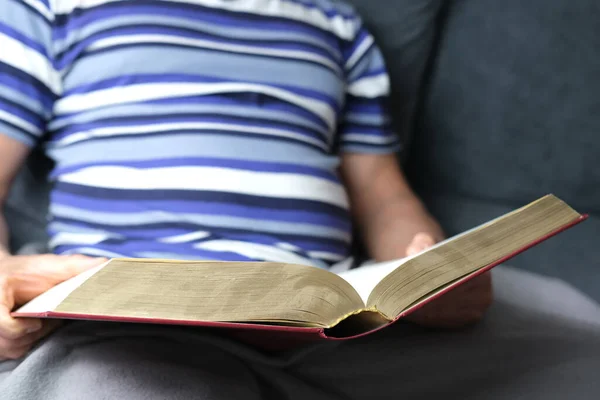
(365, 125)
(29, 82)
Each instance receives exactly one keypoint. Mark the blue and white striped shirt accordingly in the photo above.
(197, 129)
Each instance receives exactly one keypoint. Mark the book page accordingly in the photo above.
(51, 299)
(364, 278)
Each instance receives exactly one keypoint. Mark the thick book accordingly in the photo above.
(268, 299)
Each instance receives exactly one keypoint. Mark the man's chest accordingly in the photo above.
(196, 47)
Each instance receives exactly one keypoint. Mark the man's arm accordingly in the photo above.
(12, 156)
(394, 223)
(387, 212)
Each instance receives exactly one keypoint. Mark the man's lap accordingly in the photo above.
(540, 339)
(531, 344)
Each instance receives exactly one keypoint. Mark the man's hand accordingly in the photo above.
(462, 306)
(21, 279)
(395, 224)
(459, 307)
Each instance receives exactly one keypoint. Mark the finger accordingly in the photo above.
(37, 274)
(64, 267)
(420, 242)
(412, 249)
(31, 338)
(424, 240)
(15, 328)
(416, 247)
(17, 348)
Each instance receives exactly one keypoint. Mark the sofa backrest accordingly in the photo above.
(511, 109)
(27, 205)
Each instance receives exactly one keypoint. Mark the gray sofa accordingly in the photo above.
(499, 104)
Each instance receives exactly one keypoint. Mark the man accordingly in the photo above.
(238, 130)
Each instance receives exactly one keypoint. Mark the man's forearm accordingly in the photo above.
(391, 229)
(387, 212)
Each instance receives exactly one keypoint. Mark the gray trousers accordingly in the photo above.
(540, 340)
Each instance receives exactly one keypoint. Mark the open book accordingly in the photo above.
(296, 298)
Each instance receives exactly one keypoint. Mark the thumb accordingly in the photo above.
(420, 242)
(58, 268)
(37, 274)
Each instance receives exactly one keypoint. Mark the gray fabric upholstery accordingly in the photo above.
(512, 108)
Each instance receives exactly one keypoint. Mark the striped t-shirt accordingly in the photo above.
(197, 129)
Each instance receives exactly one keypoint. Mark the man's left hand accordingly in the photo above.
(461, 306)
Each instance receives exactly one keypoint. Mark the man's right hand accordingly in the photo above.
(23, 278)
